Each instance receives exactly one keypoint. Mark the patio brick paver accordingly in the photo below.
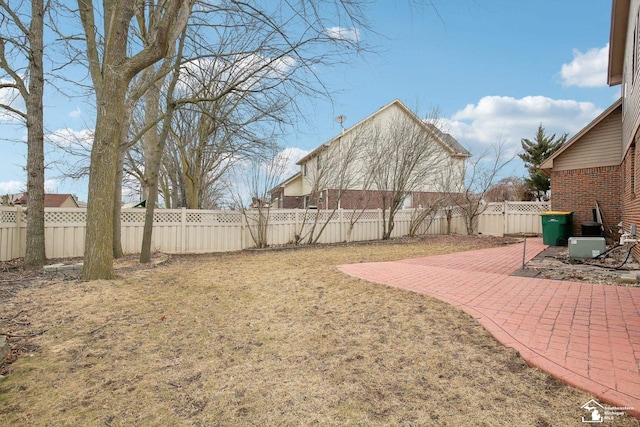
(584, 334)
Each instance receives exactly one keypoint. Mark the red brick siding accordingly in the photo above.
(293, 202)
(630, 196)
(578, 190)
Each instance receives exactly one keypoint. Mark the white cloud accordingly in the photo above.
(588, 69)
(75, 113)
(341, 33)
(68, 137)
(12, 187)
(259, 66)
(246, 71)
(290, 157)
(51, 185)
(505, 119)
(10, 97)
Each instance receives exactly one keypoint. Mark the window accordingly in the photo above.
(304, 169)
(319, 161)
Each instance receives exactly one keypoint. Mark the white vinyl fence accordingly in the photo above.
(198, 231)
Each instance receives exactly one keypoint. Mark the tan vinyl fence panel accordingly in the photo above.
(506, 218)
(199, 231)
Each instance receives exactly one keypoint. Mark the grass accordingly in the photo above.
(267, 338)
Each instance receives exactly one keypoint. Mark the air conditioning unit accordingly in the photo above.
(586, 247)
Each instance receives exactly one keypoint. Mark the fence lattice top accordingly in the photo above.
(9, 215)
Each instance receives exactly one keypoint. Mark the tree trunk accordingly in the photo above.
(117, 202)
(112, 69)
(193, 192)
(35, 256)
(147, 233)
(153, 147)
(154, 151)
(98, 253)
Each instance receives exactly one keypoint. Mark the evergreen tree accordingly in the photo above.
(535, 153)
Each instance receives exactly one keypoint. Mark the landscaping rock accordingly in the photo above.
(554, 263)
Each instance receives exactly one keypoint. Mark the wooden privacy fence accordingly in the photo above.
(198, 231)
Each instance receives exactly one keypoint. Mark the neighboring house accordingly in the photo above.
(50, 200)
(586, 172)
(338, 174)
(624, 68)
(288, 194)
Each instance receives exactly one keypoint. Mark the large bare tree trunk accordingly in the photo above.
(117, 204)
(153, 154)
(155, 148)
(111, 74)
(99, 246)
(117, 199)
(35, 256)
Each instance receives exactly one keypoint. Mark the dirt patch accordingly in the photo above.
(266, 338)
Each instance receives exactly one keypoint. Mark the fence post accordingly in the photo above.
(18, 235)
(183, 230)
(243, 230)
(505, 219)
(341, 219)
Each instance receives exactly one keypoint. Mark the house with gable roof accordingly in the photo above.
(337, 174)
(601, 161)
(612, 171)
(50, 200)
(586, 172)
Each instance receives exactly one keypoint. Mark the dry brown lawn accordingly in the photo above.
(266, 338)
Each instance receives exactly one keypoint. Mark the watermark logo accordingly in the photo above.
(596, 410)
(600, 413)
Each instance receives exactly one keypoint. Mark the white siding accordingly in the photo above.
(353, 148)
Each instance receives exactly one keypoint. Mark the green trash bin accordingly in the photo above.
(556, 227)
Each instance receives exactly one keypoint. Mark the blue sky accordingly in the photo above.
(494, 69)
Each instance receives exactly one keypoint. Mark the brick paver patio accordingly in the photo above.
(583, 334)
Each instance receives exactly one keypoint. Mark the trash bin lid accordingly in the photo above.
(555, 213)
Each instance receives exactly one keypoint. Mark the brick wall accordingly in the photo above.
(631, 191)
(578, 190)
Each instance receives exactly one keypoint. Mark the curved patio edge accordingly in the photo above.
(585, 335)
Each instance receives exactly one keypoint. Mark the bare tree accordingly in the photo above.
(155, 143)
(241, 90)
(259, 175)
(331, 172)
(407, 156)
(482, 173)
(511, 188)
(112, 67)
(283, 39)
(22, 42)
(423, 216)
